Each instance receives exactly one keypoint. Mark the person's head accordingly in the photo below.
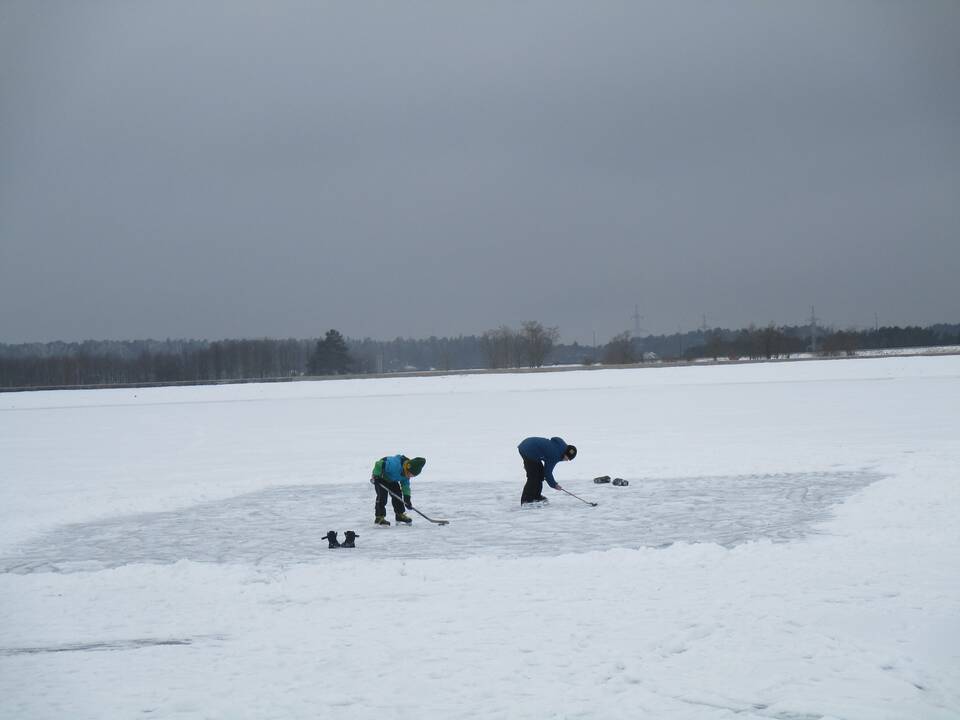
(412, 468)
(570, 453)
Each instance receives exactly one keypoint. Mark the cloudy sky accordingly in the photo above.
(226, 169)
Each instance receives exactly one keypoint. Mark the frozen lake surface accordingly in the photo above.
(787, 548)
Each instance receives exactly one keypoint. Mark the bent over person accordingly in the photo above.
(393, 474)
(540, 456)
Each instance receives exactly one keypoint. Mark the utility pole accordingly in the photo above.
(813, 330)
(635, 341)
(637, 317)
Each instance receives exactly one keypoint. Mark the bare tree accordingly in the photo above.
(500, 347)
(714, 344)
(840, 342)
(619, 351)
(771, 340)
(537, 341)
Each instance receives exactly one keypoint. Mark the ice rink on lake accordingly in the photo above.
(285, 524)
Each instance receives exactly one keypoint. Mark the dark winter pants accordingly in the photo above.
(533, 490)
(381, 506)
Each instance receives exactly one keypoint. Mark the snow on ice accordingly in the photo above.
(787, 548)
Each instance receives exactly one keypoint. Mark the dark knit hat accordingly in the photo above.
(570, 453)
(415, 465)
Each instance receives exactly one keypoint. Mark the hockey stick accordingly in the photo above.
(400, 498)
(591, 504)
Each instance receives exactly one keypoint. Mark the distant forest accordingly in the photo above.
(99, 363)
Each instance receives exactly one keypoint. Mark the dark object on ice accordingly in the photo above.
(332, 539)
(602, 479)
(620, 481)
(350, 537)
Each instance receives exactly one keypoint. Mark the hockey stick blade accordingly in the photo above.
(398, 497)
(591, 504)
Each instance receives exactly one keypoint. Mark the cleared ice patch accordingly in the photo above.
(284, 525)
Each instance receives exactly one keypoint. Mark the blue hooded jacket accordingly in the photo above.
(549, 451)
(393, 470)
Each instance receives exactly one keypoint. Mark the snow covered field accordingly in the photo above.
(788, 547)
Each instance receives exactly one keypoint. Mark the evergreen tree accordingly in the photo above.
(331, 356)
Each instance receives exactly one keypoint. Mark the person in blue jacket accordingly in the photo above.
(393, 473)
(540, 456)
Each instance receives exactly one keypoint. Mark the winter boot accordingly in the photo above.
(602, 479)
(404, 518)
(351, 536)
(332, 539)
(381, 520)
(620, 481)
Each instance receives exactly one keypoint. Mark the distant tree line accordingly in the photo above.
(116, 363)
(771, 342)
(532, 345)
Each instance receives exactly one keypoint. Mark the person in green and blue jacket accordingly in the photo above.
(393, 473)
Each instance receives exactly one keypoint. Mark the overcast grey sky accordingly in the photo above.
(245, 169)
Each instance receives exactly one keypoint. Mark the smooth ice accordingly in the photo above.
(283, 525)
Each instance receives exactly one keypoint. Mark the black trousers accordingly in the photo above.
(381, 505)
(533, 490)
